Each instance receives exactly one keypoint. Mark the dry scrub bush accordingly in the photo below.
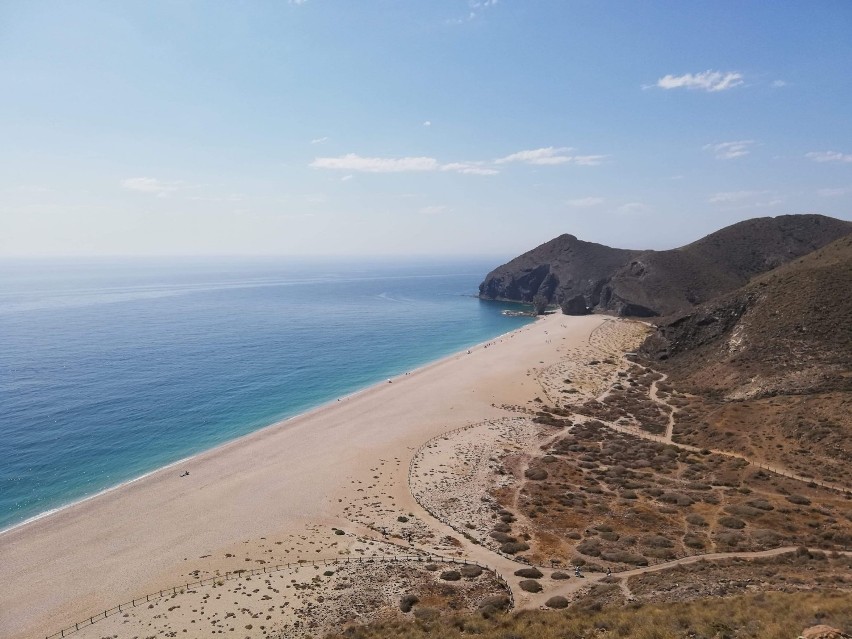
(755, 616)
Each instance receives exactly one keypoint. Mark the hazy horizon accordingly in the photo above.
(451, 128)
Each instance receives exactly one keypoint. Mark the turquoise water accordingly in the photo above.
(110, 369)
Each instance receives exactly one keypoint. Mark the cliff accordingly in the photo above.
(584, 277)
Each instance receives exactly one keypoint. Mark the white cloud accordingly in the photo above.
(551, 156)
(777, 84)
(730, 150)
(584, 202)
(320, 140)
(589, 160)
(469, 168)
(546, 155)
(829, 156)
(233, 197)
(833, 192)
(726, 197)
(710, 81)
(346, 178)
(427, 123)
(746, 199)
(633, 207)
(433, 210)
(353, 162)
(476, 9)
(150, 185)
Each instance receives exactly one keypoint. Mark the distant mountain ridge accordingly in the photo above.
(583, 276)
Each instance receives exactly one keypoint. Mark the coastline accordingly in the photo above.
(189, 458)
(136, 536)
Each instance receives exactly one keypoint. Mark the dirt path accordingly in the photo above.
(727, 453)
(667, 439)
(652, 393)
(574, 585)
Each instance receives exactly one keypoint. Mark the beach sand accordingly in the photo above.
(273, 496)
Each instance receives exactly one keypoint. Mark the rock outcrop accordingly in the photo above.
(584, 277)
(823, 632)
(564, 268)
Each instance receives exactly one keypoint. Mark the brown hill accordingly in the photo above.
(558, 270)
(789, 330)
(582, 276)
(767, 369)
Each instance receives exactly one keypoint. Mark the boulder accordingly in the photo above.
(823, 632)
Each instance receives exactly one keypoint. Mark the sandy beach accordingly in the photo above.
(343, 465)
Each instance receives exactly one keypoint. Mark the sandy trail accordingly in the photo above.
(150, 534)
(652, 393)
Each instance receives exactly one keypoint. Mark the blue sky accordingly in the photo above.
(454, 127)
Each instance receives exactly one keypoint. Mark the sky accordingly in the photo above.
(414, 127)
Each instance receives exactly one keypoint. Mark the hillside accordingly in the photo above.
(789, 330)
(583, 276)
(769, 366)
(561, 269)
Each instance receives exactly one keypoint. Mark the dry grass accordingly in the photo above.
(799, 571)
(613, 499)
(808, 434)
(759, 616)
(768, 368)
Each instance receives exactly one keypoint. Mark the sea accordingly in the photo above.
(112, 368)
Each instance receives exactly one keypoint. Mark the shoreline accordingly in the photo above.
(278, 423)
(292, 481)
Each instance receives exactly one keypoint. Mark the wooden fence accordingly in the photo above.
(240, 574)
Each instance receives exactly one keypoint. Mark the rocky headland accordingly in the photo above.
(583, 277)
